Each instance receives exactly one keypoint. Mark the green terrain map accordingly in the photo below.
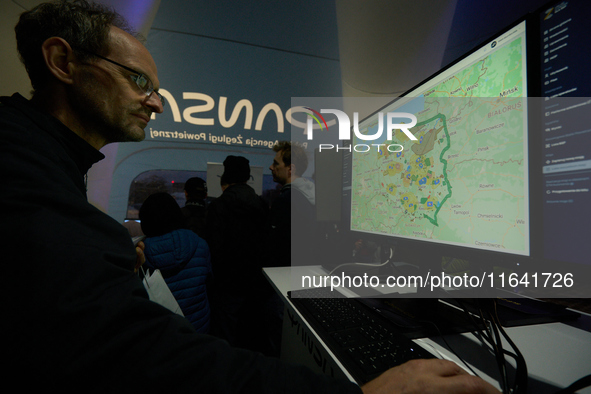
(464, 181)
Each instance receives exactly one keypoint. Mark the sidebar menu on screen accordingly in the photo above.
(565, 66)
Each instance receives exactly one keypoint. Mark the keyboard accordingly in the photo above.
(366, 343)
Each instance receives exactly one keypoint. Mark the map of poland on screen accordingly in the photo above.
(464, 181)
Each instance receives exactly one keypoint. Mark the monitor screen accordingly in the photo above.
(464, 181)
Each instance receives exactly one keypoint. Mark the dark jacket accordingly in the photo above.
(293, 237)
(235, 232)
(183, 260)
(194, 212)
(278, 252)
(77, 316)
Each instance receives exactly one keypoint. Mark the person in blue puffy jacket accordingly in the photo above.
(181, 256)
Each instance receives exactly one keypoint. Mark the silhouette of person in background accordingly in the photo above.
(195, 207)
(235, 231)
(181, 256)
(292, 238)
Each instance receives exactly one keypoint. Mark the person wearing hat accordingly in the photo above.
(235, 229)
(195, 207)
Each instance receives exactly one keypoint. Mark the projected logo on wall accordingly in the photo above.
(200, 115)
(270, 115)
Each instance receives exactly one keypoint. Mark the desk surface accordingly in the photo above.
(556, 354)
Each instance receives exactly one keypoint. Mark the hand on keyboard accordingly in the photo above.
(432, 376)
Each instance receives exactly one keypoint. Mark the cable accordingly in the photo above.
(361, 264)
(499, 353)
(364, 264)
(521, 376)
(489, 334)
(478, 330)
(579, 384)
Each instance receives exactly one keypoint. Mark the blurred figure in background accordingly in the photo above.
(235, 231)
(134, 227)
(293, 237)
(181, 256)
(195, 207)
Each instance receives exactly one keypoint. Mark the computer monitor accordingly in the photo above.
(461, 189)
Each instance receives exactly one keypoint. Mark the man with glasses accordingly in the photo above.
(76, 316)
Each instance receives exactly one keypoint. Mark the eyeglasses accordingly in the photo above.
(142, 81)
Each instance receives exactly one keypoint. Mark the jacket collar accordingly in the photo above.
(83, 154)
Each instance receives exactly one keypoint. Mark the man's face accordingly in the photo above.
(281, 172)
(107, 101)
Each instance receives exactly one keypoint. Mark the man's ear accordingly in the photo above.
(292, 170)
(58, 56)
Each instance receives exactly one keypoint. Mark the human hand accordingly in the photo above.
(427, 377)
(141, 257)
